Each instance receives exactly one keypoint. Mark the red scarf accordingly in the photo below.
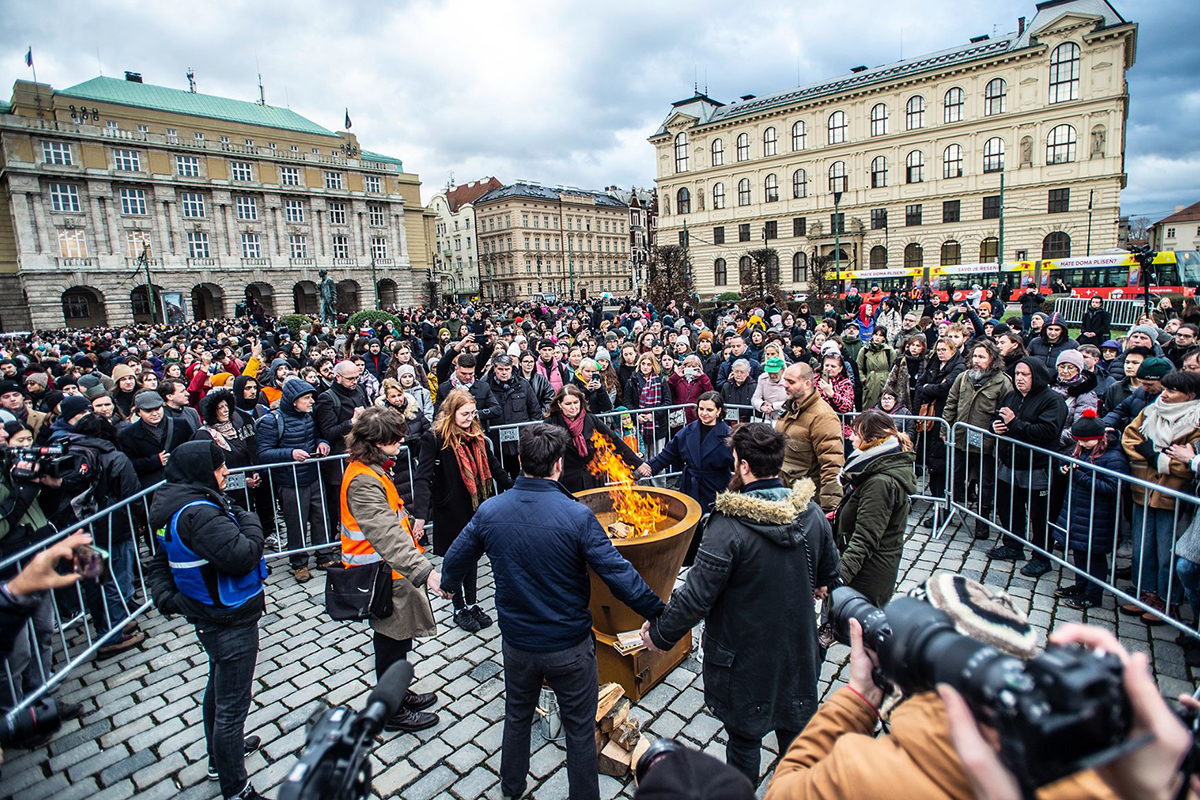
(575, 428)
(471, 454)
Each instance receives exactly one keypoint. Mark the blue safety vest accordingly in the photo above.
(187, 569)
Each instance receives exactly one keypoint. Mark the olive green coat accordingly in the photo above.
(874, 365)
(975, 403)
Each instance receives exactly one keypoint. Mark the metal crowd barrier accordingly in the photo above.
(1123, 313)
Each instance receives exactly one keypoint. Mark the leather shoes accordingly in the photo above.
(483, 619)
(1035, 568)
(418, 701)
(464, 619)
(409, 721)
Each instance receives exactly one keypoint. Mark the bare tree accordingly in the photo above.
(670, 276)
(1139, 228)
(761, 279)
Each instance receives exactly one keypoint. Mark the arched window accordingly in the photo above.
(799, 184)
(718, 152)
(952, 105)
(681, 152)
(989, 250)
(1060, 145)
(879, 119)
(720, 274)
(878, 257)
(770, 142)
(683, 201)
(1064, 73)
(914, 167)
(743, 147)
(952, 161)
(993, 155)
(878, 172)
(771, 188)
(951, 253)
(719, 196)
(914, 113)
(995, 97)
(799, 267)
(744, 192)
(914, 256)
(837, 127)
(837, 176)
(744, 269)
(799, 136)
(1056, 245)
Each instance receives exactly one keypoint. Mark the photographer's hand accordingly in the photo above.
(40, 574)
(862, 665)
(989, 778)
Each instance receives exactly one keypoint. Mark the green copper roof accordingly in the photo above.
(367, 155)
(177, 101)
(5, 107)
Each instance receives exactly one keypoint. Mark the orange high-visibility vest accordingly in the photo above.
(356, 550)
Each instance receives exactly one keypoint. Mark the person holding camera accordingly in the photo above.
(766, 553)
(209, 568)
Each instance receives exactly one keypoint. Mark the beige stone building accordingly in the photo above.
(456, 254)
(904, 163)
(572, 243)
(223, 197)
(1178, 231)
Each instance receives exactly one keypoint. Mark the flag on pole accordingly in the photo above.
(347, 119)
(29, 57)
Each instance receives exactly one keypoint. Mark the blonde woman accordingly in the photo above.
(649, 389)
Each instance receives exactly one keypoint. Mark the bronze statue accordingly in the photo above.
(327, 298)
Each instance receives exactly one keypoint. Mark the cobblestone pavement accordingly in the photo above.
(141, 734)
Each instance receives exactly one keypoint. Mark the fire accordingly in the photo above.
(642, 512)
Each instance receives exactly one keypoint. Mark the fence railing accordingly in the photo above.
(1123, 313)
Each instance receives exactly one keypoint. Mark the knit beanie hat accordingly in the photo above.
(39, 378)
(123, 371)
(406, 369)
(1154, 369)
(1071, 357)
(1088, 426)
(1111, 345)
(981, 612)
(87, 381)
(705, 336)
(73, 406)
(1149, 330)
(694, 775)
(7, 387)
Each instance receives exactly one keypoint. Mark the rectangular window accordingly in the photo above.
(341, 247)
(298, 244)
(250, 246)
(376, 217)
(197, 244)
(240, 171)
(289, 176)
(333, 180)
(199, 136)
(187, 166)
(379, 248)
(71, 243)
(1059, 201)
(719, 235)
(247, 207)
(192, 204)
(800, 226)
(337, 213)
(57, 153)
(878, 219)
(136, 242)
(371, 184)
(293, 210)
(127, 160)
(771, 229)
(837, 223)
(912, 214)
(951, 210)
(991, 207)
(64, 197)
(133, 201)
(744, 232)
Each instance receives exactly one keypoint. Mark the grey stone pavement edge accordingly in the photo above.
(141, 733)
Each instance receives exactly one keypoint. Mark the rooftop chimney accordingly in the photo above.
(976, 39)
(860, 68)
(133, 77)
(747, 97)
(1020, 25)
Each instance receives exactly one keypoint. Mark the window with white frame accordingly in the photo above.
(192, 204)
(187, 166)
(333, 180)
(743, 147)
(914, 167)
(718, 152)
(241, 171)
(879, 119)
(197, 244)
(800, 184)
(744, 192)
(133, 201)
(127, 160)
(993, 155)
(64, 197)
(72, 243)
(375, 216)
(111, 126)
(371, 184)
(289, 176)
(879, 170)
(837, 176)
(770, 142)
(1060, 145)
(198, 136)
(341, 246)
(298, 244)
(57, 153)
(337, 213)
(771, 188)
(250, 246)
(718, 196)
(681, 152)
(293, 210)
(247, 207)
(143, 129)
(137, 242)
(952, 161)
(952, 105)
(914, 113)
(799, 136)
(378, 248)
(837, 127)
(1064, 73)
(995, 97)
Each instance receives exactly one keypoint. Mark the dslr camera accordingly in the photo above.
(32, 463)
(1062, 711)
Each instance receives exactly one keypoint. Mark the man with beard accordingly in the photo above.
(766, 550)
(817, 452)
(974, 399)
(518, 403)
(908, 327)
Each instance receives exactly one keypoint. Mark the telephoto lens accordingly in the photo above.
(39, 719)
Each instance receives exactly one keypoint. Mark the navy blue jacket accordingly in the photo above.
(286, 429)
(707, 466)
(540, 541)
(1089, 514)
(1128, 410)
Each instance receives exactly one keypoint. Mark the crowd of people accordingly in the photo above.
(339, 446)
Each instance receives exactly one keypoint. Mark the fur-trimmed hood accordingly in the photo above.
(772, 513)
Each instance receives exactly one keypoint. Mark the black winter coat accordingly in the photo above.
(439, 495)
(334, 418)
(518, 403)
(934, 383)
(143, 446)
(763, 553)
(1041, 347)
(633, 393)
(1096, 327)
(575, 475)
(1039, 420)
(1089, 513)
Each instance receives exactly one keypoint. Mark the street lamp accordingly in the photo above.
(837, 238)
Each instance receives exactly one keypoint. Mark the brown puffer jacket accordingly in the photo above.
(814, 447)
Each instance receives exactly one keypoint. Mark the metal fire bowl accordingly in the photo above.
(657, 556)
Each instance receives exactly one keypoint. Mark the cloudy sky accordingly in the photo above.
(565, 91)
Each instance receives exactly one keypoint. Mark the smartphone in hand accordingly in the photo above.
(91, 562)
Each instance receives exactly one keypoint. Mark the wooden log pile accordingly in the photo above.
(619, 739)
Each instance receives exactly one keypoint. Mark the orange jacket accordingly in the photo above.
(356, 550)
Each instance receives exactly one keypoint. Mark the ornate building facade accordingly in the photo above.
(456, 254)
(114, 184)
(1002, 148)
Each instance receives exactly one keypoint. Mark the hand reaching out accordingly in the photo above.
(645, 471)
(434, 582)
(40, 574)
